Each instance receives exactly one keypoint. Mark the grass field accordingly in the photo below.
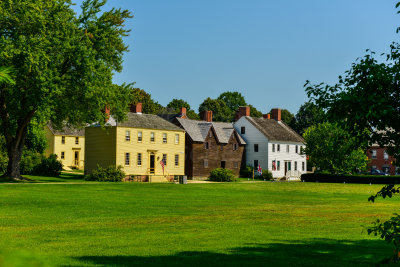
(232, 224)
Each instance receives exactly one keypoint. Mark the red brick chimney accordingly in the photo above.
(242, 111)
(267, 116)
(276, 114)
(182, 113)
(136, 108)
(107, 113)
(206, 115)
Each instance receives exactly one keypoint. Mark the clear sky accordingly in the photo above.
(264, 49)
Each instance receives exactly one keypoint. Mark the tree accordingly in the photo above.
(287, 117)
(176, 104)
(334, 150)
(255, 112)
(308, 114)
(63, 67)
(220, 110)
(149, 106)
(233, 100)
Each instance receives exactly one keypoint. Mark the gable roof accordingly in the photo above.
(275, 130)
(147, 121)
(66, 130)
(198, 130)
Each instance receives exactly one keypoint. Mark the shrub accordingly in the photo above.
(50, 166)
(108, 174)
(222, 175)
(266, 175)
(247, 172)
(29, 161)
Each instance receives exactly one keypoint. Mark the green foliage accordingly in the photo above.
(29, 160)
(308, 114)
(176, 104)
(149, 106)
(220, 110)
(222, 175)
(266, 175)
(255, 112)
(287, 117)
(233, 100)
(247, 172)
(333, 149)
(63, 66)
(37, 164)
(108, 174)
(5, 75)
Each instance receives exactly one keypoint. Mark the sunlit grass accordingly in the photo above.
(271, 223)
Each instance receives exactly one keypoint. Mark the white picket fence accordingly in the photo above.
(293, 175)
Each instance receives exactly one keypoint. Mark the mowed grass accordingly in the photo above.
(218, 224)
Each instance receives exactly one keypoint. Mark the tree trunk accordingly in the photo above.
(14, 150)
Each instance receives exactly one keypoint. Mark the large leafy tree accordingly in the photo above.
(176, 104)
(333, 149)
(221, 111)
(63, 66)
(149, 105)
(308, 114)
(287, 117)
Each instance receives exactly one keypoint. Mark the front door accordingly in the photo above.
(286, 167)
(223, 163)
(76, 158)
(152, 163)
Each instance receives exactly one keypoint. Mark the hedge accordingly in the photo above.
(346, 178)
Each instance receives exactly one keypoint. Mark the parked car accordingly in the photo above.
(376, 172)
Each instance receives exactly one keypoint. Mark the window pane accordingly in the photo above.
(176, 138)
(152, 138)
(127, 158)
(164, 159)
(139, 159)
(139, 136)
(176, 159)
(127, 135)
(164, 136)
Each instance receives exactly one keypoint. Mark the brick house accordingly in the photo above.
(381, 160)
(209, 145)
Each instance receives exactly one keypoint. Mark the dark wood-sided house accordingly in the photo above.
(209, 145)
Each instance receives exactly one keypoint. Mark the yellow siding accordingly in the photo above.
(50, 142)
(146, 147)
(100, 147)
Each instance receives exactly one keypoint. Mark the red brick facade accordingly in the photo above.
(379, 161)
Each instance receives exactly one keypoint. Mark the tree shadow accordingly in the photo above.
(315, 252)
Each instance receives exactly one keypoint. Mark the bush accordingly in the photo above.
(109, 174)
(29, 161)
(222, 175)
(247, 172)
(48, 166)
(266, 175)
(346, 178)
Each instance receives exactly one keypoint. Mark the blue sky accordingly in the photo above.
(264, 49)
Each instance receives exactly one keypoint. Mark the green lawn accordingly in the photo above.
(233, 224)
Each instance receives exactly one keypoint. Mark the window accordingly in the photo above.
(210, 134)
(164, 138)
(139, 159)
(139, 136)
(127, 135)
(62, 155)
(127, 159)
(273, 147)
(223, 164)
(385, 155)
(303, 166)
(206, 145)
(222, 147)
(297, 149)
(289, 166)
(235, 146)
(295, 165)
(255, 147)
(76, 140)
(278, 148)
(63, 140)
(373, 167)
(374, 154)
(164, 159)
(274, 165)
(287, 148)
(255, 163)
(152, 138)
(235, 164)
(176, 159)
(206, 163)
(242, 130)
(301, 150)
(176, 138)
(278, 167)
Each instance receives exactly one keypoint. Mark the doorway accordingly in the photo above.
(223, 163)
(76, 158)
(152, 163)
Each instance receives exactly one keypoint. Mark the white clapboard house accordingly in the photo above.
(272, 144)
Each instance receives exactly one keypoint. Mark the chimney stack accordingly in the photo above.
(182, 113)
(136, 108)
(242, 111)
(276, 114)
(267, 116)
(107, 113)
(206, 115)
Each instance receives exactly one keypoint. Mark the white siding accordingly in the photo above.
(265, 156)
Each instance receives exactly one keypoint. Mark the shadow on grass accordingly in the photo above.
(64, 177)
(316, 252)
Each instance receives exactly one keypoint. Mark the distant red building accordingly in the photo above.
(381, 160)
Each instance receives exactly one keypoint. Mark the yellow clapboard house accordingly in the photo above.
(68, 144)
(141, 145)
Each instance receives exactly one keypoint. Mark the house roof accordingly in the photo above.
(275, 130)
(147, 121)
(198, 130)
(66, 130)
